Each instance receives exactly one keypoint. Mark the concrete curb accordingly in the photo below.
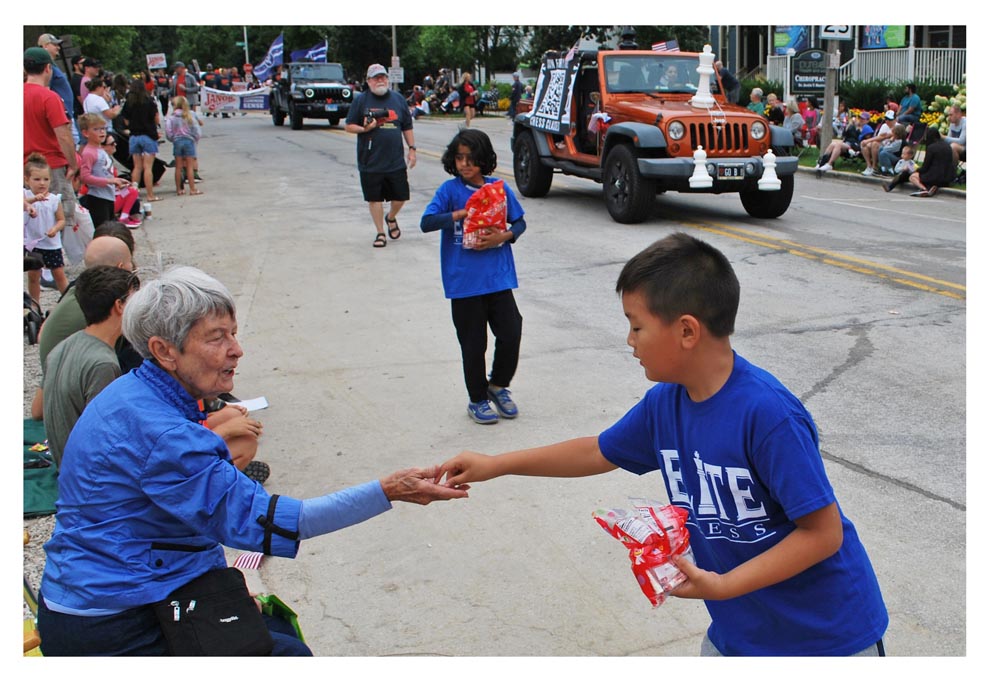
(857, 177)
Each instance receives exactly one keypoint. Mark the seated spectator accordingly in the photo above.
(903, 168)
(849, 145)
(775, 112)
(957, 132)
(890, 153)
(148, 481)
(812, 120)
(871, 147)
(84, 364)
(841, 119)
(794, 121)
(909, 110)
(756, 101)
(938, 169)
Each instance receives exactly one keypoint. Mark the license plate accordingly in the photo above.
(734, 171)
(331, 107)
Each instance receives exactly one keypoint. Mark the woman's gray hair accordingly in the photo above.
(168, 306)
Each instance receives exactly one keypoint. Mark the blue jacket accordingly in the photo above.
(147, 496)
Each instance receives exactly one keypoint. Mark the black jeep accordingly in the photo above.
(310, 90)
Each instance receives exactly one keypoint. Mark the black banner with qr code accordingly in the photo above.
(554, 91)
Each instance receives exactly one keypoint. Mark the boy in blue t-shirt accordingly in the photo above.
(479, 280)
(781, 569)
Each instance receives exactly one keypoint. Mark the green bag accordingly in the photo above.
(40, 472)
(271, 605)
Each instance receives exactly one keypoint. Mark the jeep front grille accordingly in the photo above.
(726, 138)
(332, 94)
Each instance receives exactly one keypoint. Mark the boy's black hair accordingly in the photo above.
(482, 152)
(680, 275)
(99, 287)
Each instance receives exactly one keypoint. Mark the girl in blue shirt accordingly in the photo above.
(479, 281)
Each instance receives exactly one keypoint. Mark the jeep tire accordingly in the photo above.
(761, 204)
(278, 116)
(629, 196)
(533, 179)
(295, 118)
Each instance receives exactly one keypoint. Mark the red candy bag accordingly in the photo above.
(486, 210)
(653, 533)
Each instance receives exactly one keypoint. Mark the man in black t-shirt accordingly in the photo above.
(380, 117)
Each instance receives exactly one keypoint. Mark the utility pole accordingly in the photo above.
(831, 88)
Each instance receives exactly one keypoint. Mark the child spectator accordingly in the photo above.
(94, 170)
(890, 153)
(479, 281)
(44, 221)
(903, 169)
(182, 130)
(781, 569)
(125, 197)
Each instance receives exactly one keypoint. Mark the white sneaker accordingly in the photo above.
(827, 167)
(868, 172)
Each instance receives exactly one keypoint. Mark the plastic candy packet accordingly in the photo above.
(486, 210)
(653, 533)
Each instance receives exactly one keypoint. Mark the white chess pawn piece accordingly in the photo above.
(703, 97)
(700, 178)
(769, 182)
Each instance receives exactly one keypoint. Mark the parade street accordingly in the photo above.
(855, 299)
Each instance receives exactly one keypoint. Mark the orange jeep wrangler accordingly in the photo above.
(635, 121)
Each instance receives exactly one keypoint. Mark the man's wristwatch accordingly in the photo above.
(412, 147)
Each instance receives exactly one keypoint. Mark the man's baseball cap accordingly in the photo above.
(865, 115)
(89, 61)
(36, 56)
(46, 38)
(376, 70)
(889, 115)
(179, 65)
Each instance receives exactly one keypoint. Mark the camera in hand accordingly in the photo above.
(377, 114)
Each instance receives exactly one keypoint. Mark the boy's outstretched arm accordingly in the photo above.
(569, 459)
(818, 536)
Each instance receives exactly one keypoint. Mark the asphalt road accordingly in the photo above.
(855, 299)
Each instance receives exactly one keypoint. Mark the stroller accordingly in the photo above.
(33, 317)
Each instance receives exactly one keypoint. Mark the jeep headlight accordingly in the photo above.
(759, 130)
(309, 93)
(346, 92)
(676, 130)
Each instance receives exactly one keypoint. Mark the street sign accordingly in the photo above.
(396, 75)
(836, 33)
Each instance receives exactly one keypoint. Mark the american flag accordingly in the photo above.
(666, 46)
(251, 560)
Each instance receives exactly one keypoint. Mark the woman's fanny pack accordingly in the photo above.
(214, 615)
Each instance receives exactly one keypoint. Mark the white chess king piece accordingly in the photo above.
(700, 178)
(769, 182)
(703, 97)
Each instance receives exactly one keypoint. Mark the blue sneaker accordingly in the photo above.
(482, 412)
(503, 403)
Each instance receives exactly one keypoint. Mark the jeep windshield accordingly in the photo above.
(317, 72)
(661, 72)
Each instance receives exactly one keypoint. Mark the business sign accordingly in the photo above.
(787, 38)
(836, 33)
(808, 73)
(876, 37)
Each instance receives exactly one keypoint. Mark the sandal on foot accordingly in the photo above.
(379, 240)
(180, 192)
(195, 192)
(393, 231)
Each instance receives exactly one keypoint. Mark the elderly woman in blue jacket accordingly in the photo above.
(148, 496)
